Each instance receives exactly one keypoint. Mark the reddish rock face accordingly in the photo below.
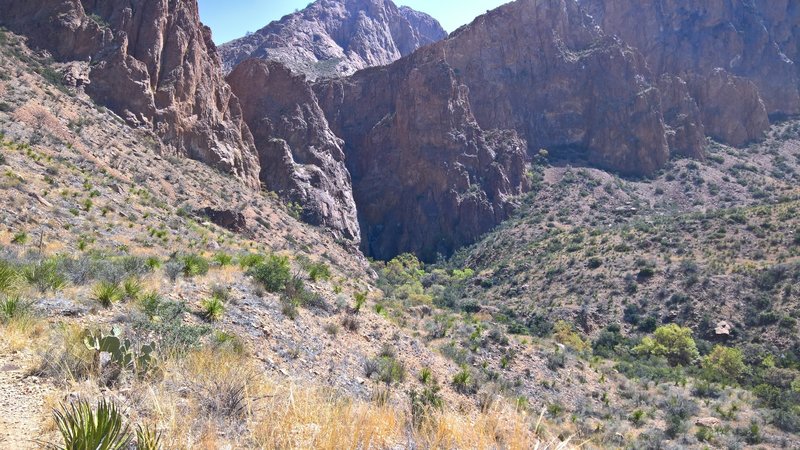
(301, 159)
(333, 38)
(543, 68)
(728, 51)
(427, 179)
(153, 63)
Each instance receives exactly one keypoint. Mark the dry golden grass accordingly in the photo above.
(185, 406)
(21, 333)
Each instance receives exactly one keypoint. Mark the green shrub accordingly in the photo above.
(424, 402)
(20, 238)
(45, 275)
(222, 259)
(132, 289)
(213, 309)
(273, 274)
(14, 308)
(82, 428)
(9, 277)
(319, 271)
(107, 293)
(462, 380)
(251, 260)
(673, 342)
(194, 265)
(165, 322)
(360, 298)
(724, 365)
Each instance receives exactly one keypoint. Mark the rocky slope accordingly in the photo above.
(151, 62)
(738, 57)
(333, 38)
(301, 159)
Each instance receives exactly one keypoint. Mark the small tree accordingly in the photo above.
(673, 342)
(724, 365)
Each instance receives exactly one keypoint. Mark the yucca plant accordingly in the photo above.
(8, 277)
(107, 293)
(133, 288)
(147, 438)
(85, 429)
(193, 265)
(222, 259)
(13, 308)
(45, 275)
(213, 308)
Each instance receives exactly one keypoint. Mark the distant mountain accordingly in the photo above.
(333, 38)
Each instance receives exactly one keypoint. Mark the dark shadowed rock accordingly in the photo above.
(301, 159)
(153, 63)
(333, 38)
(225, 218)
(427, 179)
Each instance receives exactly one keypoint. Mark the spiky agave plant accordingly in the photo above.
(84, 429)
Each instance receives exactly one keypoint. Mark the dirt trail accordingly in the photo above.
(22, 409)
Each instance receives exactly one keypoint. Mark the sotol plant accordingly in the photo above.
(82, 428)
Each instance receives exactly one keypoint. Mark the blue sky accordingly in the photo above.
(230, 19)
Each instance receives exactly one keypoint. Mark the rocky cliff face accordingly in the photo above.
(301, 159)
(426, 178)
(541, 67)
(735, 55)
(333, 38)
(153, 63)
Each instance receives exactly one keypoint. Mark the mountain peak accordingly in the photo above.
(332, 38)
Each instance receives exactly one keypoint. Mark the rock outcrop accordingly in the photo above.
(542, 67)
(728, 52)
(154, 64)
(427, 179)
(301, 159)
(332, 38)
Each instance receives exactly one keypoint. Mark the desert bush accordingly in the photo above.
(165, 322)
(273, 273)
(222, 259)
(318, 271)
(463, 381)
(724, 365)
(673, 342)
(213, 309)
(107, 293)
(249, 260)
(45, 275)
(193, 265)
(9, 277)
(14, 308)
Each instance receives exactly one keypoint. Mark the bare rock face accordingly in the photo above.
(301, 159)
(333, 38)
(686, 132)
(427, 179)
(543, 68)
(732, 109)
(153, 63)
(753, 42)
